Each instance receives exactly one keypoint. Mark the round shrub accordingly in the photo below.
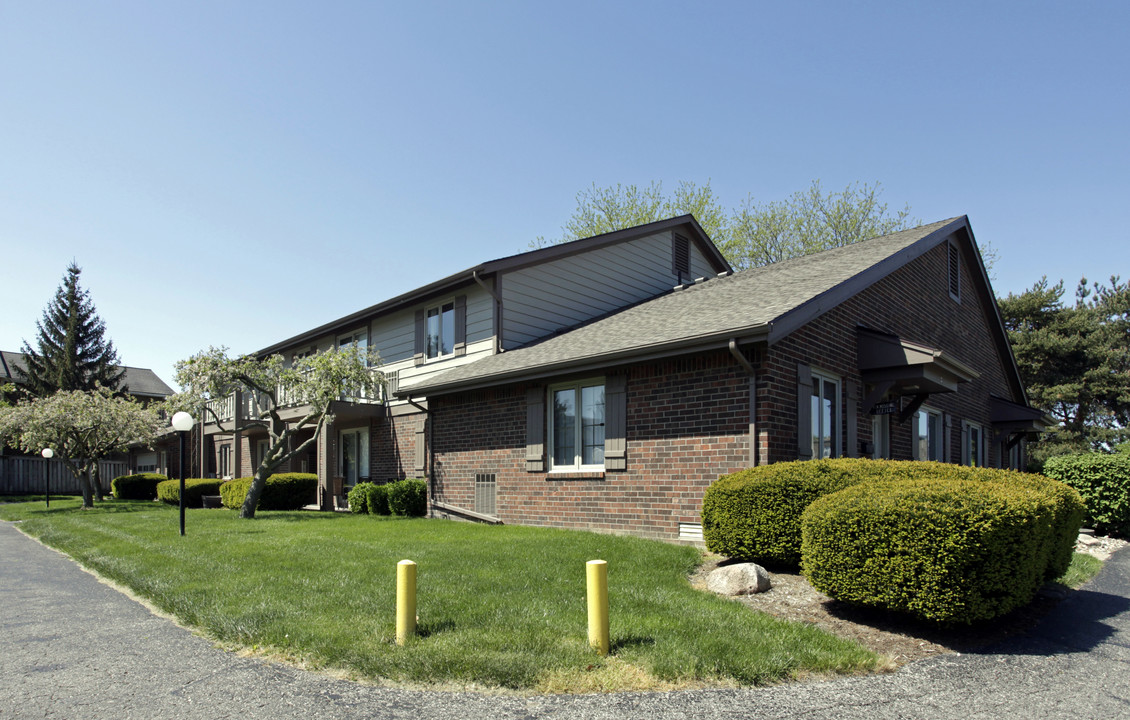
(408, 497)
(194, 490)
(951, 550)
(378, 500)
(234, 492)
(283, 491)
(142, 486)
(359, 498)
(1103, 481)
(755, 514)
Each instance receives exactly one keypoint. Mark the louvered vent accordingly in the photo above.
(954, 271)
(485, 493)
(681, 257)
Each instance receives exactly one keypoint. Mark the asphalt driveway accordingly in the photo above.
(72, 647)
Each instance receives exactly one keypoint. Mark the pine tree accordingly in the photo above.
(73, 352)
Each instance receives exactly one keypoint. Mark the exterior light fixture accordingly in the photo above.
(182, 423)
(47, 454)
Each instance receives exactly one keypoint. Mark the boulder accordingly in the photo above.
(738, 579)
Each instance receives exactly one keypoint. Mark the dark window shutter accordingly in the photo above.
(421, 337)
(947, 432)
(803, 412)
(421, 459)
(535, 429)
(461, 325)
(852, 410)
(615, 422)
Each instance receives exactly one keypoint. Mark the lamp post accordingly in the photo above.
(182, 423)
(47, 454)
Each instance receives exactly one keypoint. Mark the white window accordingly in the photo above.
(225, 462)
(973, 450)
(881, 437)
(927, 438)
(360, 338)
(440, 331)
(354, 456)
(576, 425)
(261, 448)
(825, 416)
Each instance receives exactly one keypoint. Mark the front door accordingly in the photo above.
(354, 457)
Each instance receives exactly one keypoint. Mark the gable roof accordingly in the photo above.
(760, 304)
(140, 382)
(685, 223)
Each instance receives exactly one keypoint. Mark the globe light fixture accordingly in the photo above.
(47, 454)
(182, 423)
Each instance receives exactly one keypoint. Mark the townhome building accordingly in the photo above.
(605, 383)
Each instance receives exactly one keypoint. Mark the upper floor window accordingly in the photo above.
(825, 416)
(360, 338)
(441, 331)
(927, 435)
(576, 425)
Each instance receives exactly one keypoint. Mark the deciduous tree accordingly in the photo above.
(313, 382)
(72, 351)
(82, 427)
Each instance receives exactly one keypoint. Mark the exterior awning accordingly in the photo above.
(892, 365)
(1009, 417)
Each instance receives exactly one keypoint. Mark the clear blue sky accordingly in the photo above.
(234, 173)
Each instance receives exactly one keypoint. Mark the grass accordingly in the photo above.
(499, 606)
(1083, 567)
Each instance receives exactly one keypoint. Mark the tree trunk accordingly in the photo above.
(87, 489)
(96, 482)
(253, 494)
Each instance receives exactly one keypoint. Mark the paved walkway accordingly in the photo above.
(72, 647)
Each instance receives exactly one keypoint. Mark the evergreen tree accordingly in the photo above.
(73, 352)
(1074, 360)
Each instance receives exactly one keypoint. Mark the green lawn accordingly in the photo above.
(499, 606)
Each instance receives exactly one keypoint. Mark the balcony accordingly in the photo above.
(252, 405)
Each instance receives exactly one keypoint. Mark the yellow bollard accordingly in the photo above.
(596, 572)
(405, 601)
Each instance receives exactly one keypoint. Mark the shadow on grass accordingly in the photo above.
(428, 629)
(630, 641)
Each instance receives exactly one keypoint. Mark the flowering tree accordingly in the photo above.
(82, 428)
(314, 382)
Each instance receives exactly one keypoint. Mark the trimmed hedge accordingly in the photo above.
(142, 486)
(194, 489)
(951, 550)
(408, 497)
(1104, 483)
(370, 498)
(359, 498)
(283, 491)
(755, 514)
(378, 500)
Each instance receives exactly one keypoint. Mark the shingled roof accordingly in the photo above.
(140, 382)
(765, 303)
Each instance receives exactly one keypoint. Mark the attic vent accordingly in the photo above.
(680, 257)
(954, 271)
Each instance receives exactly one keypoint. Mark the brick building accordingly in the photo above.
(893, 347)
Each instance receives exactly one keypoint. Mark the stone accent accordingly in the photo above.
(738, 579)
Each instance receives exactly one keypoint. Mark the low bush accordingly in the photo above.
(755, 514)
(234, 492)
(378, 500)
(408, 497)
(142, 486)
(283, 491)
(947, 549)
(1103, 481)
(359, 498)
(194, 489)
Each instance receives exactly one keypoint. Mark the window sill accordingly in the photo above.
(575, 475)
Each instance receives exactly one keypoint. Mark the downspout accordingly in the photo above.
(754, 439)
(497, 310)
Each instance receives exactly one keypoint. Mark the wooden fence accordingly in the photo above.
(24, 475)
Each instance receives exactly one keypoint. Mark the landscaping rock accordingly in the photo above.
(738, 579)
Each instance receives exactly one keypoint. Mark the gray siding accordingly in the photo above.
(700, 266)
(539, 300)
